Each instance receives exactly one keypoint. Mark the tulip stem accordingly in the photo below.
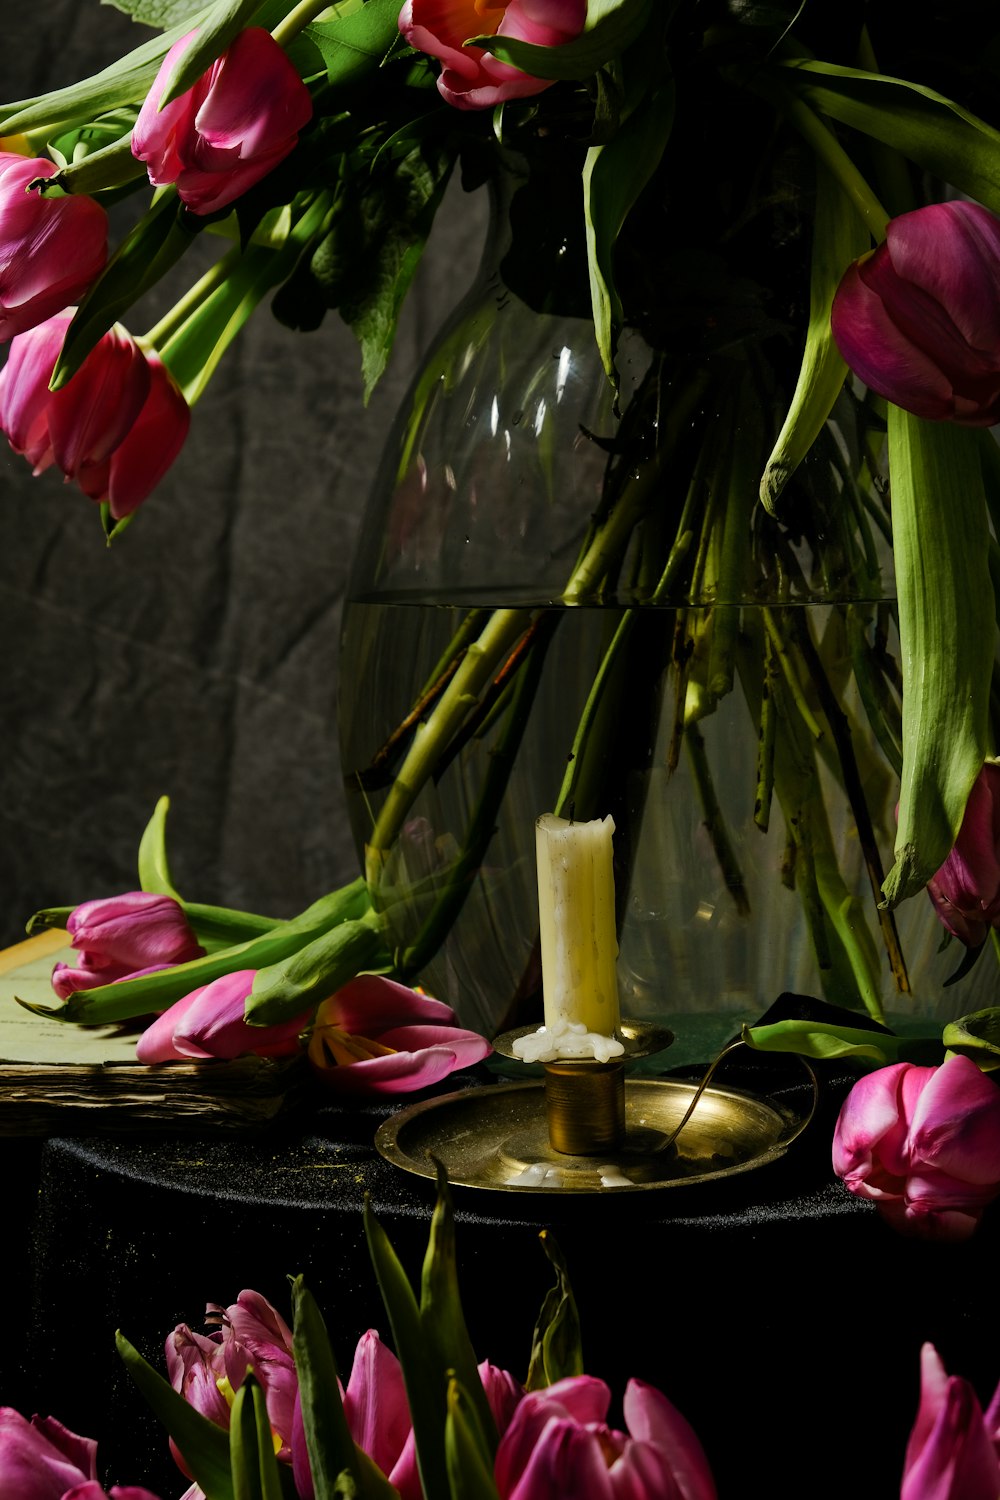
(178, 315)
(297, 18)
(829, 150)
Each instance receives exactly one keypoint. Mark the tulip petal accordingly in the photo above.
(152, 443)
(370, 1004)
(955, 1460)
(650, 1417)
(566, 1460)
(375, 1402)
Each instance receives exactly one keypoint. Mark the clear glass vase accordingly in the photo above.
(564, 603)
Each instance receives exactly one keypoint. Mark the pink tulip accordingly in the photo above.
(965, 892)
(924, 1144)
(950, 1455)
(230, 129)
(249, 1334)
(121, 936)
(51, 249)
(209, 1023)
(559, 1443)
(43, 1460)
(472, 78)
(378, 1416)
(919, 317)
(115, 427)
(378, 1037)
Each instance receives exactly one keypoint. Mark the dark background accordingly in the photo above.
(197, 656)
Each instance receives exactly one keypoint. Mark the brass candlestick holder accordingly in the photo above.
(589, 1127)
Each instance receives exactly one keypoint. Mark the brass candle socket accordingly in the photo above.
(585, 1099)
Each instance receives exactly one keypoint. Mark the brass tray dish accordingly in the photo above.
(497, 1137)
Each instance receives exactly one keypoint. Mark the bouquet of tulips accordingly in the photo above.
(314, 142)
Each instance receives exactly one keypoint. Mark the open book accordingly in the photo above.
(58, 1077)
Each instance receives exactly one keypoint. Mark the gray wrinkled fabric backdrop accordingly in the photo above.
(198, 655)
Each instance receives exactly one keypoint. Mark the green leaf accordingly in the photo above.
(556, 1349)
(425, 1387)
(159, 13)
(137, 997)
(946, 633)
(154, 868)
(149, 250)
(49, 916)
(942, 137)
(470, 1473)
(126, 81)
(285, 989)
(822, 1041)
(610, 27)
(250, 1446)
(613, 177)
(380, 238)
(224, 22)
(976, 1035)
(328, 1440)
(205, 1447)
(357, 44)
(839, 237)
(443, 1320)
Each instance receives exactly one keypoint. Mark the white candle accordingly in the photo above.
(576, 911)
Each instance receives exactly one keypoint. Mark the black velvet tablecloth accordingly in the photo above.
(781, 1315)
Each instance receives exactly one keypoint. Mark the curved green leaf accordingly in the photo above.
(839, 237)
(613, 177)
(356, 44)
(148, 251)
(425, 1389)
(470, 1474)
(154, 868)
(610, 27)
(328, 1440)
(977, 1036)
(942, 137)
(220, 26)
(556, 1350)
(205, 1447)
(947, 635)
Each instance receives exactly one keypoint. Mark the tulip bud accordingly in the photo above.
(238, 122)
(918, 319)
(472, 78)
(209, 1023)
(924, 1145)
(51, 249)
(115, 427)
(965, 892)
(122, 936)
(949, 1455)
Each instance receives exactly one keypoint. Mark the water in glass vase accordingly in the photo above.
(752, 800)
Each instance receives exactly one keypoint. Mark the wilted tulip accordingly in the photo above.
(472, 78)
(923, 1144)
(950, 1454)
(51, 249)
(209, 1023)
(250, 1333)
(919, 317)
(559, 1443)
(121, 936)
(115, 427)
(43, 1460)
(378, 1037)
(230, 129)
(966, 890)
